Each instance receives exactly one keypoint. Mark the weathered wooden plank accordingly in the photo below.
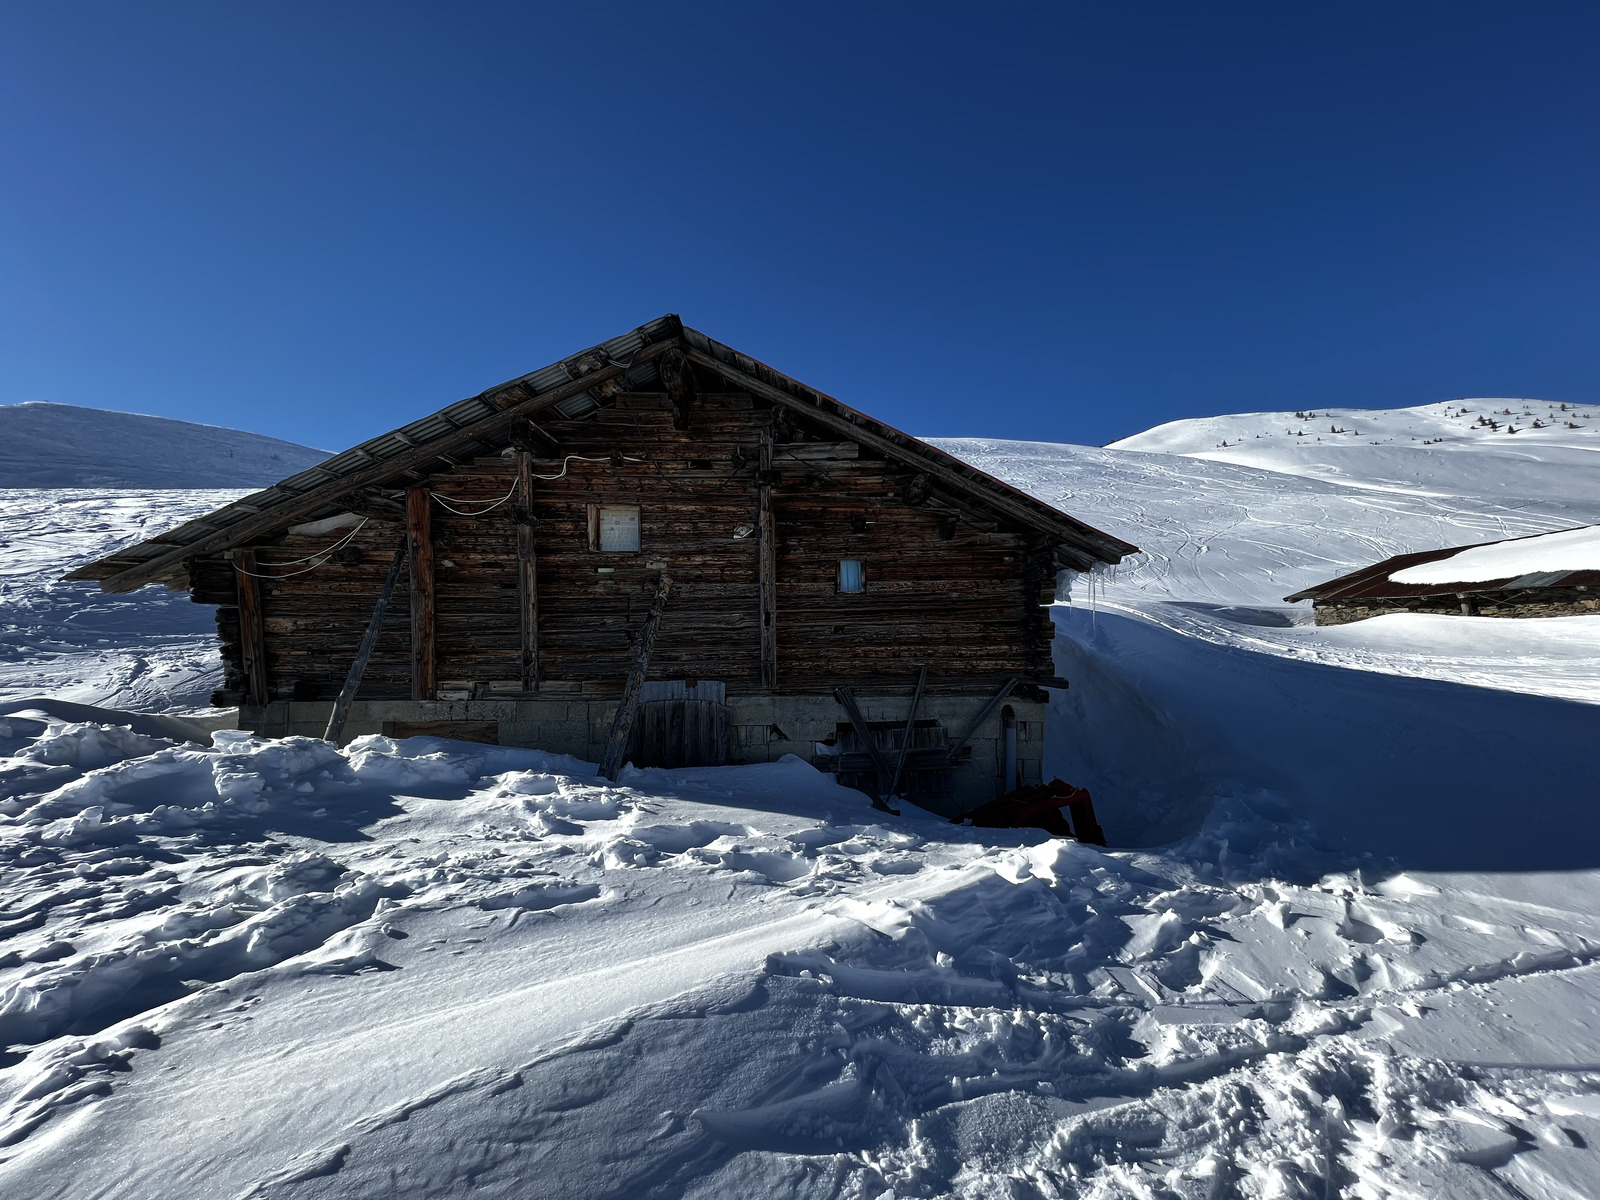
(419, 539)
(622, 723)
(369, 640)
(767, 549)
(527, 575)
(252, 637)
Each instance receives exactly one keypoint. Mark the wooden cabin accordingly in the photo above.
(754, 567)
(1541, 575)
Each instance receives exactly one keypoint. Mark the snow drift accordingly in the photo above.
(1358, 956)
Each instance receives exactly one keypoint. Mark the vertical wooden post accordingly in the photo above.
(252, 634)
(419, 537)
(527, 575)
(768, 552)
(622, 723)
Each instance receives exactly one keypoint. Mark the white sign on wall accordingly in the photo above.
(619, 528)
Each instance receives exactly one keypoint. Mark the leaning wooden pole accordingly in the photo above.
(352, 681)
(905, 740)
(622, 723)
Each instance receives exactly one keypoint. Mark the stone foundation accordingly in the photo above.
(1567, 603)
(765, 728)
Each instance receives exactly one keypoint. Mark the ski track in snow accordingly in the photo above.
(426, 968)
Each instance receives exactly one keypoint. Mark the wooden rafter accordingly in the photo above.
(376, 473)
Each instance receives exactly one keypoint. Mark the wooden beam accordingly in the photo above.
(419, 540)
(678, 376)
(944, 502)
(767, 549)
(352, 681)
(951, 472)
(847, 701)
(988, 709)
(381, 469)
(525, 435)
(252, 634)
(905, 740)
(527, 574)
(622, 723)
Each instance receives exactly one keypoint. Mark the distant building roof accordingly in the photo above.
(1564, 558)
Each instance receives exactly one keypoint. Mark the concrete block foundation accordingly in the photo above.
(764, 727)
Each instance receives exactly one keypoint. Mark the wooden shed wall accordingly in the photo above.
(965, 601)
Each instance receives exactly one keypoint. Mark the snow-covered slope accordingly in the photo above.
(62, 445)
(1480, 449)
(1365, 962)
(150, 650)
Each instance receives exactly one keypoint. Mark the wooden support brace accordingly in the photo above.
(847, 701)
(905, 741)
(767, 548)
(352, 681)
(419, 538)
(527, 575)
(628, 707)
(252, 633)
(988, 709)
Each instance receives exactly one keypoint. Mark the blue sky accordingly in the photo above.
(1066, 222)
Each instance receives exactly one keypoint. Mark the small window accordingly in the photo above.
(614, 528)
(851, 577)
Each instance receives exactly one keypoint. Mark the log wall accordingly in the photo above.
(966, 601)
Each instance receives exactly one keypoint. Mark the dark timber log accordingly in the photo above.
(525, 435)
(527, 575)
(419, 537)
(252, 638)
(347, 694)
(622, 723)
(679, 378)
(768, 551)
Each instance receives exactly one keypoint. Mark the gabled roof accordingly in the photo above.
(572, 387)
(1375, 582)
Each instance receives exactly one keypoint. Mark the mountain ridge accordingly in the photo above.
(49, 445)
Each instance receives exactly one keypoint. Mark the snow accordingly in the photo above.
(61, 445)
(1348, 944)
(149, 650)
(1569, 550)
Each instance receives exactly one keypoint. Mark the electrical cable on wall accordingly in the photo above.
(449, 502)
(321, 556)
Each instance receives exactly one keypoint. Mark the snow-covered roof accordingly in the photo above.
(1553, 554)
(1563, 558)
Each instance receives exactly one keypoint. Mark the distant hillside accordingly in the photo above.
(1498, 448)
(62, 445)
